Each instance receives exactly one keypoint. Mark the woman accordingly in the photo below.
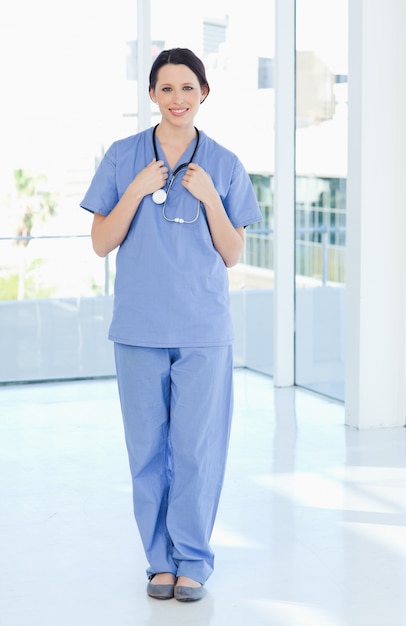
(176, 203)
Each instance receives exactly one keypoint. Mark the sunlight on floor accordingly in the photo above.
(310, 530)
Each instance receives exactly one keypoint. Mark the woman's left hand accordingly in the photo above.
(228, 241)
(199, 183)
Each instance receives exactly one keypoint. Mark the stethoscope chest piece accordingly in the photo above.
(159, 196)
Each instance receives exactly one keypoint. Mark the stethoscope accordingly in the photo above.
(160, 196)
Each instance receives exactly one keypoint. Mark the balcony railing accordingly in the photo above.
(65, 267)
(320, 260)
(68, 266)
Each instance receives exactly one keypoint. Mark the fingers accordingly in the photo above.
(195, 173)
(191, 169)
(159, 168)
(152, 177)
(160, 164)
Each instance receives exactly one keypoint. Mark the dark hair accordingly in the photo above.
(179, 56)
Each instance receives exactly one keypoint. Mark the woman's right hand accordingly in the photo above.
(109, 231)
(151, 178)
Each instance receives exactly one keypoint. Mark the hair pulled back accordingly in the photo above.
(179, 56)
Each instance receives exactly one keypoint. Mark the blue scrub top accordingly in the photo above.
(171, 286)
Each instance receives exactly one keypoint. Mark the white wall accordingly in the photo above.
(376, 216)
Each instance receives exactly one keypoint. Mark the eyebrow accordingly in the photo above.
(188, 83)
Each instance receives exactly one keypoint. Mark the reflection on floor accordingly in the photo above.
(311, 529)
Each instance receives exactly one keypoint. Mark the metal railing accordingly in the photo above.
(28, 238)
(259, 248)
(259, 244)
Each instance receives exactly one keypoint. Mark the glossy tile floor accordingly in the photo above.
(311, 529)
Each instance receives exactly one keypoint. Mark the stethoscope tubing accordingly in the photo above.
(182, 165)
(162, 193)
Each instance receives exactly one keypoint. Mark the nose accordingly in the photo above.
(178, 96)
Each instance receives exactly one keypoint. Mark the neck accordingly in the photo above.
(175, 134)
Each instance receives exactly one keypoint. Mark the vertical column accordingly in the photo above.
(144, 62)
(284, 193)
(376, 210)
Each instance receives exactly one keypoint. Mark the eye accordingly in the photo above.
(166, 89)
(188, 88)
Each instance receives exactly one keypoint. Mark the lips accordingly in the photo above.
(179, 111)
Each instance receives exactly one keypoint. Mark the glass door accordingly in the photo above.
(321, 172)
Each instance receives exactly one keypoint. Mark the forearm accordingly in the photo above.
(108, 232)
(228, 241)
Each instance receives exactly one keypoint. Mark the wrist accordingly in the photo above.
(134, 194)
(213, 203)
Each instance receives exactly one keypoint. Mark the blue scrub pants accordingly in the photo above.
(177, 406)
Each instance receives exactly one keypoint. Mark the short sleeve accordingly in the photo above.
(102, 195)
(240, 201)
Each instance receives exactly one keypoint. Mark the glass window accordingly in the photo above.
(70, 88)
(65, 98)
(236, 43)
(321, 172)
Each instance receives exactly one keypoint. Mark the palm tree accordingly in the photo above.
(35, 205)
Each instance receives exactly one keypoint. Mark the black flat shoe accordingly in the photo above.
(160, 592)
(188, 594)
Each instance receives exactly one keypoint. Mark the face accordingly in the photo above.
(177, 93)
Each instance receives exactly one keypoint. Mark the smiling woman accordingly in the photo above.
(178, 341)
